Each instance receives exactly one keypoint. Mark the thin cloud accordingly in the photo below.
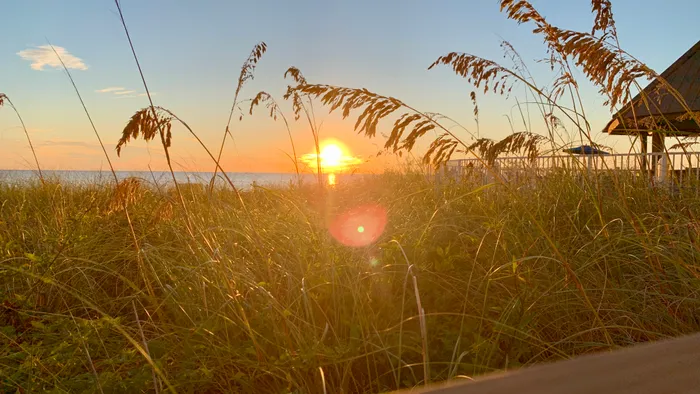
(54, 143)
(110, 89)
(120, 92)
(136, 95)
(70, 146)
(31, 130)
(43, 56)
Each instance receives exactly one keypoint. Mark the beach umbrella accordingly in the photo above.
(585, 150)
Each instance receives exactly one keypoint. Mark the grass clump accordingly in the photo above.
(266, 301)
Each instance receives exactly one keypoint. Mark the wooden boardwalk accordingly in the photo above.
(663, 367)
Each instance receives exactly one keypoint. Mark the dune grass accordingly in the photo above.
(129, 288)
(265, 300)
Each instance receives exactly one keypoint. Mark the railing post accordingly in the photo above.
(664, 167)
(590, 164)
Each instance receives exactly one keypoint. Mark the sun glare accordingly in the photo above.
(333, 157)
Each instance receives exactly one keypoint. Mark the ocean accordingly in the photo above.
(241, 180)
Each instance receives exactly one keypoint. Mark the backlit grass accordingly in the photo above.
(265, 300)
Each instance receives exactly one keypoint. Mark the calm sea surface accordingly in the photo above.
(161, 178)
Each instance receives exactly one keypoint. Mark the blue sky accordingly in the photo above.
(191, 53)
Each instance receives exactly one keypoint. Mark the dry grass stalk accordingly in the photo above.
(246, 74)
(684, 145)
(492, 77)
(472, 96)
(601, 59)
(440, 150)
(135, 240)
(144, 123)
(3, 98)
(127, 192)
(597, 53)
(604, 21)
(164, 135)
(87, 113)
(298, 106)
(524, 143)
(275, 111)
(298, 77)
(479, 71)
(407, 129)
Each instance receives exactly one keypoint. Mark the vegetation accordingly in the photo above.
(121, 288)
(265, 300)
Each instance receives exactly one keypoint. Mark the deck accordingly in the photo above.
(665, 367)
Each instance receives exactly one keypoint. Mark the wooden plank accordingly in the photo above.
(663, 367)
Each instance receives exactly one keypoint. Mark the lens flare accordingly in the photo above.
(359, 226)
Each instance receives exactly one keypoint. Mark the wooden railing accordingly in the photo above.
(659, 166)
(663, 367)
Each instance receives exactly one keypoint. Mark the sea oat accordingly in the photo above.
(127, 192)
(245, 75)
(143, 123)
(524, 143)
(602, 61)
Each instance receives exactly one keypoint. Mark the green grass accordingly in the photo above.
(210, 291)
(264, 300)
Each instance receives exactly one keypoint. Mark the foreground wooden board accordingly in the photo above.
(663, 367)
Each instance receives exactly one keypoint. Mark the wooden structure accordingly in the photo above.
(683, 168)
(663, 367)
(658, 111)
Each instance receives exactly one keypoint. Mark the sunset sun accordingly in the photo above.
(331, 156)
(334, 156)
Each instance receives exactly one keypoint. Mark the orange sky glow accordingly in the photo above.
(192, 67)
(345, 151)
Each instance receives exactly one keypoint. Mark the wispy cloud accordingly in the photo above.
(66, 143)
(43, 56)
(121, 92)
(110, 89)
(137, 95)
(32, 130)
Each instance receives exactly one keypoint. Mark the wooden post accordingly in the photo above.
(644, 150)
(657, 147)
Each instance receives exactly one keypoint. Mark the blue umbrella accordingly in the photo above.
(585, 150)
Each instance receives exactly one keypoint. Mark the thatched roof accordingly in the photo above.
(656, 108)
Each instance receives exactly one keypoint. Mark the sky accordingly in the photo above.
(191, 54)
